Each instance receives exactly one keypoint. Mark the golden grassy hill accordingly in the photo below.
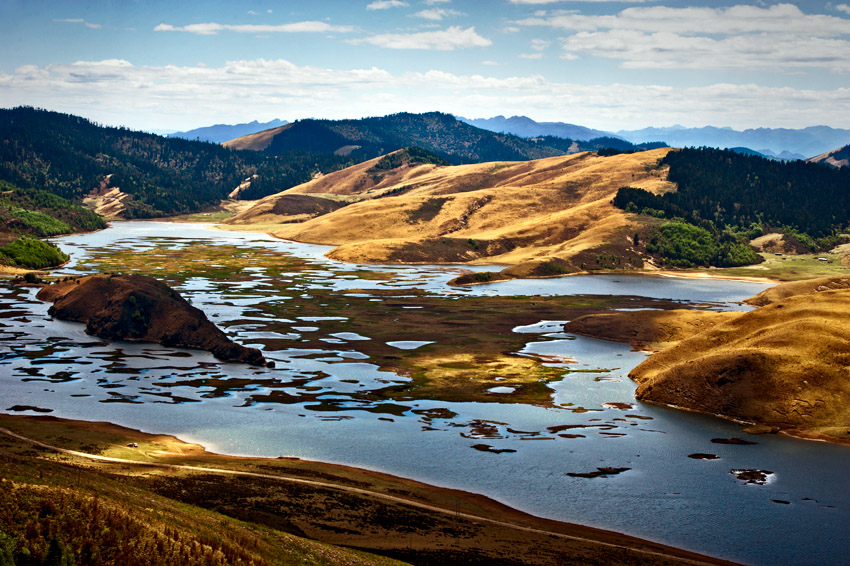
(648, 329)
(555, 211)
(786, 364)
(258, 141)
(806, 287)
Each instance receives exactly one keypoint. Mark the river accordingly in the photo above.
(800, 515)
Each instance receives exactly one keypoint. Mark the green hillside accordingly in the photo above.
(441, 134)
(29, 214)
(724, 198)
(70, 156)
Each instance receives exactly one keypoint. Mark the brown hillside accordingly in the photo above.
(786, 364)
(648, 329)
(140, 308)
(258, 141)
(837, 157)
(791, 289)
(530, 212)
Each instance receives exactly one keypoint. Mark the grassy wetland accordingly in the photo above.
(468, 346)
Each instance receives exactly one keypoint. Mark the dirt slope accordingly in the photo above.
(786, 364)
(140, 308)
(504, 212)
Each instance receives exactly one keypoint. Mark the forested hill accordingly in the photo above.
(735, 191)
(441, 134)
(70, 156)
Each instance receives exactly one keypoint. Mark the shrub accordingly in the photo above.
(31, 253)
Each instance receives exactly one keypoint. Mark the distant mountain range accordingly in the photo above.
(772, 142)
(225, 132)
(527, 128)
(781, 143)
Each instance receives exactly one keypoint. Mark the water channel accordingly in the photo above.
(800, 515)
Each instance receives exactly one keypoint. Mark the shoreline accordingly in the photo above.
(174, 455)
(701, 274)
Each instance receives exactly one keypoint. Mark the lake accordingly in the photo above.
(314, 403)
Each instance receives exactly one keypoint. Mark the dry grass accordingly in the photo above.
(650, 329)
(786, 364)
(179, 515)
(258, 141)
(534, 211)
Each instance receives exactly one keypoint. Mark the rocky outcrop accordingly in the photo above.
(140, 308)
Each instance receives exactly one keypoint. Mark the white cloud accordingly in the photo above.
(843, 8)
(435, 2)
(540, 44)
(537, 55)
(437, 14)
(779, 37)
(780, 18)
(212, 28)
(171, 97)
(442, 40)
(664, 50)
(78, 21)
(386, 4)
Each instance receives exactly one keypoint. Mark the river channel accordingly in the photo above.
(519, 454)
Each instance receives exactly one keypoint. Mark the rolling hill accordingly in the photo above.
(220, 133)
(441, 134)
(543, 217)
(368, 138)
(837, 158)
(784, 364)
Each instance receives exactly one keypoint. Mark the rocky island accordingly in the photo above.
(141, 308)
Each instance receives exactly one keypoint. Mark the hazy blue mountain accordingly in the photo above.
(783, 156)
(226, 132)
(779, 143)
(525, 127)
(809, 141)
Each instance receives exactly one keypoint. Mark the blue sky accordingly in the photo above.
(611, 65)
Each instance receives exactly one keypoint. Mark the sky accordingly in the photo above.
(176, 65)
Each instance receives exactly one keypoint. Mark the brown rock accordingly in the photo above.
(140, 308)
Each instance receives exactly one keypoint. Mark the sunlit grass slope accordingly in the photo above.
(785, 364)
(505, 212)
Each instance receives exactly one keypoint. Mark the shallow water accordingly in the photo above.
(312, 405)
